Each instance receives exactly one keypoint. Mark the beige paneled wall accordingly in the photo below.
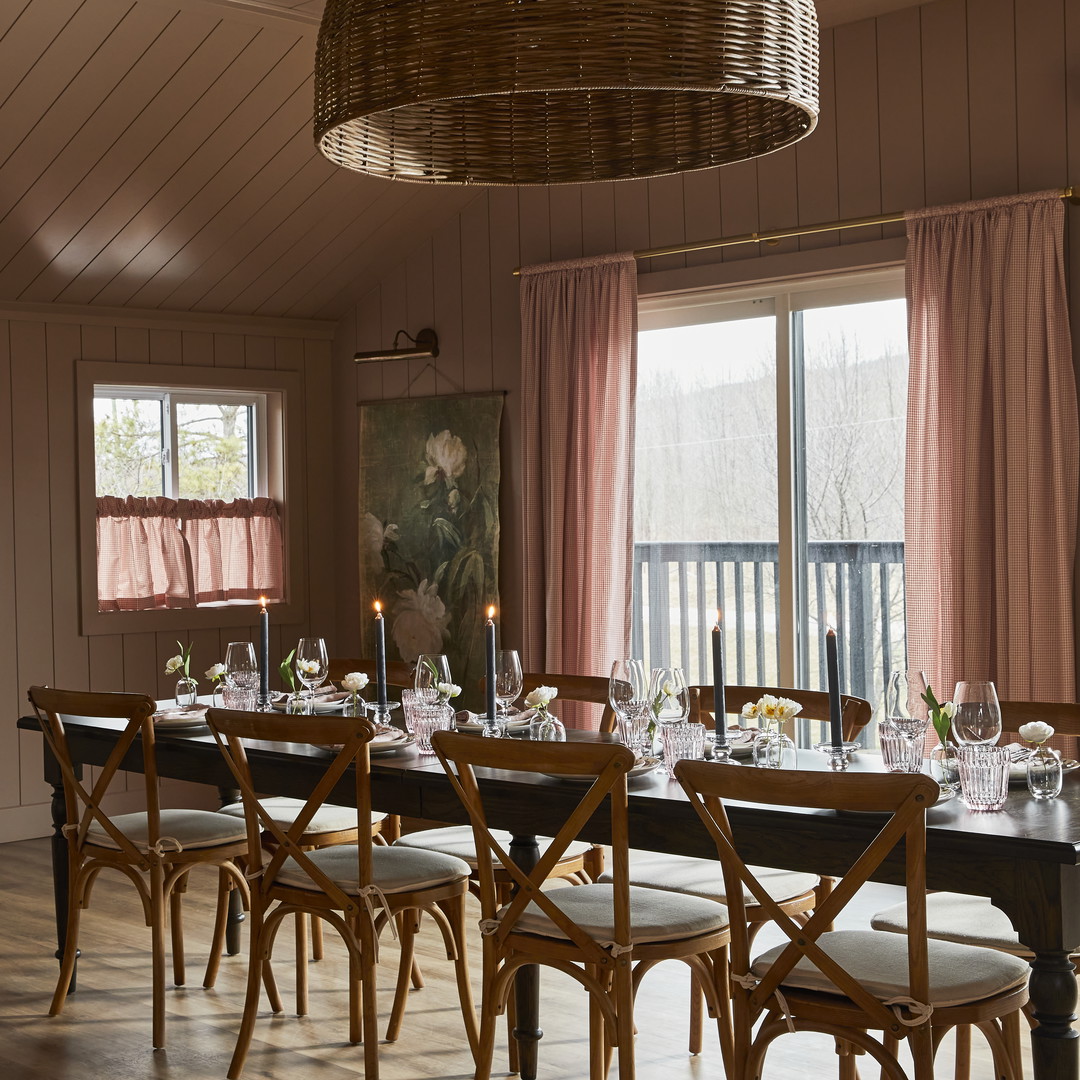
(941, 103)
(39, 626)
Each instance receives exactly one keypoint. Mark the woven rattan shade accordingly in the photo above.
(560, 91)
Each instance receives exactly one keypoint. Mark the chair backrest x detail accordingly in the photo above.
(347, 739)
(905, 797)
(83, 803)
(461, 754)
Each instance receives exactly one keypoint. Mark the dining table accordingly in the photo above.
(1025, 857)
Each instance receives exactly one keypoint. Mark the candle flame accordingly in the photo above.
(262, 602)
(491, 612)
(719, 616)
(378, 608)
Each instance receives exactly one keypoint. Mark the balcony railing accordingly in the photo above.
(678, 588)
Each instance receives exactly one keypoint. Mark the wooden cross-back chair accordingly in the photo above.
(974, 920)
(155, 849)
(855, 712)
(602, 935)
(588, 689)
(846, 983)
(357, 888)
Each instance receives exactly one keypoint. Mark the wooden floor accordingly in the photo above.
(104, 1031)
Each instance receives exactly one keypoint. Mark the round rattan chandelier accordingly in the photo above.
(560, 91)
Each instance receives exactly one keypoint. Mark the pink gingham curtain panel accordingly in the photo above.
(158, 552)
(992, 449)
(579, 377)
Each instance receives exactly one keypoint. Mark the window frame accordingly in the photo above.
(782, 298)
(282, 415)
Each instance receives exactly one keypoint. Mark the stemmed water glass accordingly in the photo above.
(978, 714)
(508, 679)
(431, 670)
(312, 666)
(628, 695)
(669, 695)
(906, 711)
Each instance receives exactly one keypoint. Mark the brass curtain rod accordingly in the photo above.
(774, 236)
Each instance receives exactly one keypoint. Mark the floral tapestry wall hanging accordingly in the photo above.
(429, 526)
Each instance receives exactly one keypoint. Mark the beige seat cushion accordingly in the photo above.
(328, 818)
(958, 973)
(702, 877)
(970, 920)
(189, 828)
(394, 869)
(654, 916)
(458, 841)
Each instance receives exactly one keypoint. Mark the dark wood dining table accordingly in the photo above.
(1026, 858)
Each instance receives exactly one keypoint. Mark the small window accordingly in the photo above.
(179, 444)
(182, 495)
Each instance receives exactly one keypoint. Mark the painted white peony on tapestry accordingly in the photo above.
(429, 525)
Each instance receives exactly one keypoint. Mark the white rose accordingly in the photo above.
(1036, 732)
(214, 672)
(354, 681)
(173, 665)
(541, 697)
(448, 689)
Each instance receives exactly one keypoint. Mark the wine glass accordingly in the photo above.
(508, 679)
(312, 666)
(431, 669)
(627, 685)
(905, 710)
(978, 714)
(669, 695)
(241, 667)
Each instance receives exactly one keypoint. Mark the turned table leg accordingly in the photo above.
(1055, 1050)
(59, 845)
(236, 903)
(526, 853)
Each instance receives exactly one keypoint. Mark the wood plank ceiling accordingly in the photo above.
(158, 154)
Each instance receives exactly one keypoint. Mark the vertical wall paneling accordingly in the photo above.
(229, 350)
(14, 693)
(447, 316)
(701, 211)
(667, 219)
(132, 345)
(992, 117)
(598, 219)
(394, 317)
(534, 225)
(166, 347)
(739, 208)
(420, 305)
(344, 375)
(900, 113)
(1041, 63)
(564, 206)
(631, 216)
(475, 291)
(858, 161)
(945, 102)
(33, 540)
(816, 159)
(777, 197)
(321, 493)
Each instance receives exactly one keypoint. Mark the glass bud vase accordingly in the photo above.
(945, 766)
(187, 690)
(1044, 773)
(774, 750)
(355, 705)
(550, 729)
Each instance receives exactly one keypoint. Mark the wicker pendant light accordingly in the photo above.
(560, 91)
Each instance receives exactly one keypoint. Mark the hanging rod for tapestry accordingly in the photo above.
(774, 236)
(429, 366)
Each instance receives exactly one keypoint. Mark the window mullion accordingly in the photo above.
(787, 619)
(172, 444)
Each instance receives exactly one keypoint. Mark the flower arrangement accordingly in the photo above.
(769, 710)
(309, 667)
(215, 673)
(540, 698)
(941, 714)
(447, 690)
(180, 662)
(354, 682)
(1036, 732)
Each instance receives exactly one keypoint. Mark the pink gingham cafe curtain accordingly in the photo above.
(992, 448)
(579, 376)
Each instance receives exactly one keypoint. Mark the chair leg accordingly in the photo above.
(921, 1042)
(624, 1017)
(316, 938)
(962, 1065)
(256, 965)
(221, 922)
(1010, 1033)
(597, 1033)
(696, 1019)
(71, 941)
(176, 919)
(454, 909)
(157, 949)
(367, 993)
(302, 962)
(408, 923)
(821, 894)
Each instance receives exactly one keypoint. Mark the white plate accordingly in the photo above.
(646, 765)
(476, 723)
(1018, 770)
(180, 719)
(384, 744)
(324, 703)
